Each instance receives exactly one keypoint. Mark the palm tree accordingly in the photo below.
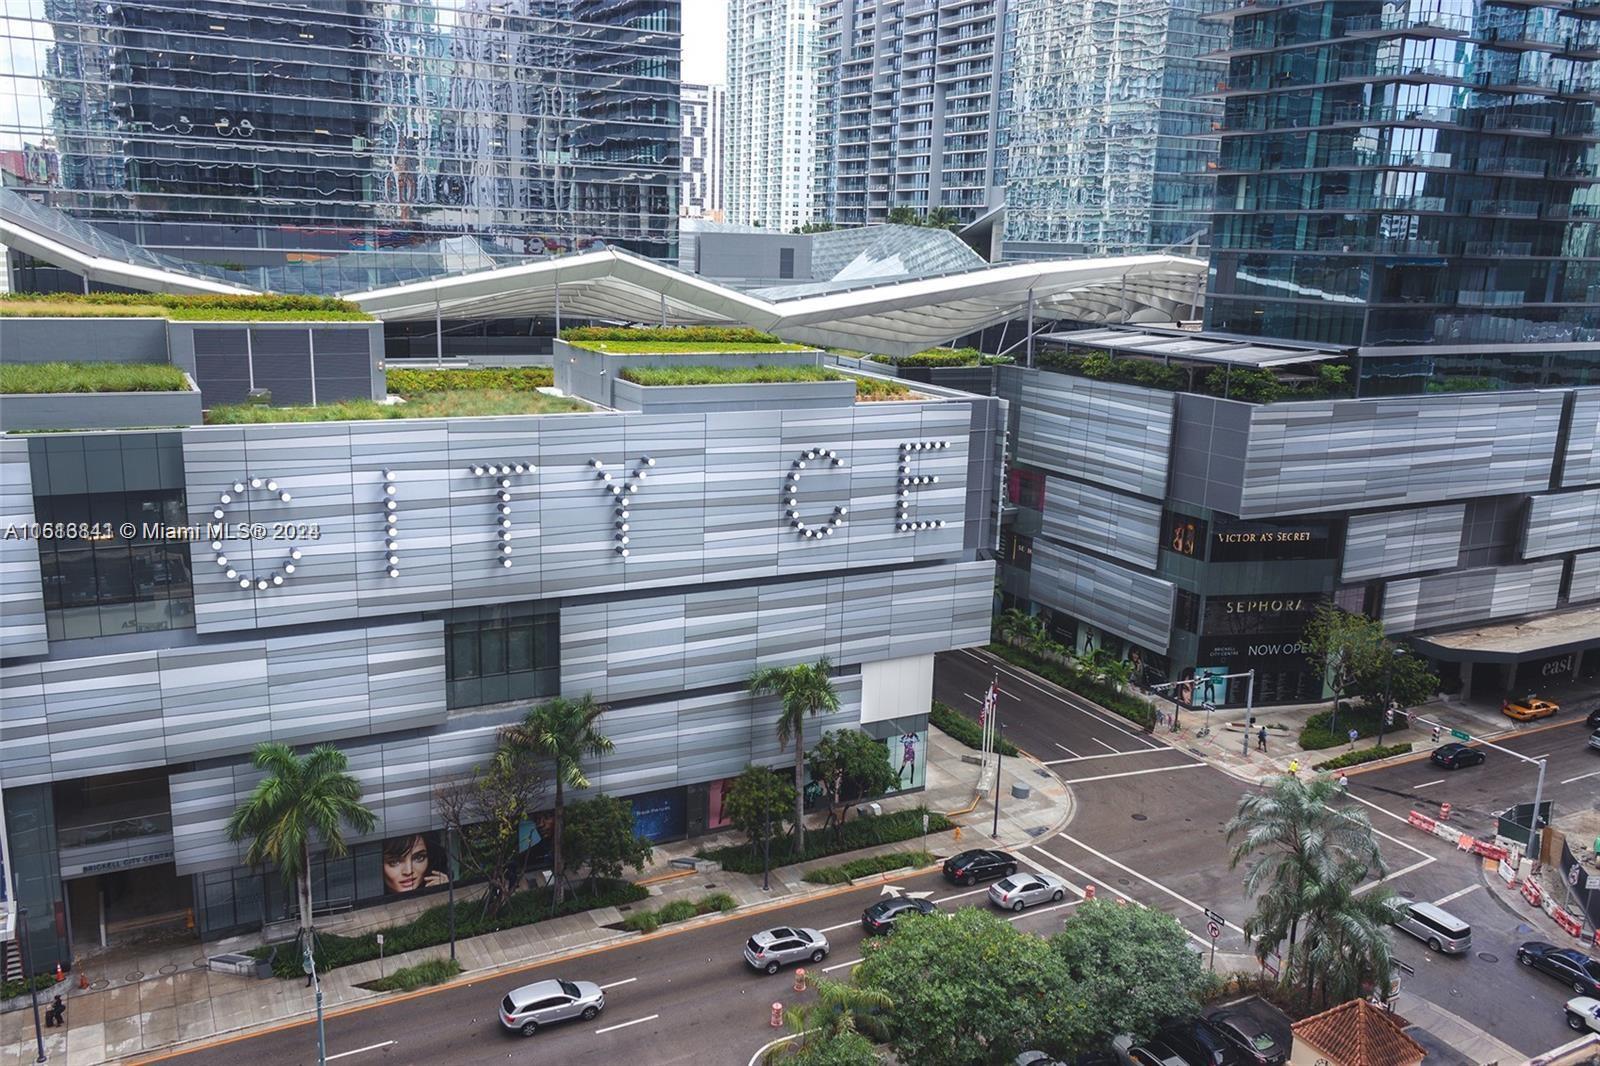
(1306, 855)
(840, 1008)
(564, 732)
(941, 218)
(805, 690)
(1347, 950)
(301, 798)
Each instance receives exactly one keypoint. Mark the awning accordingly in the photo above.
(1577, 629)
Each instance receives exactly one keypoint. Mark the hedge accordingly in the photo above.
(508, 379)
(679, 910)
(1132, 708)
(865, 832)
(936, 357)
(411, 978)
(872, 864)
(726, 375)
(1351, 758)
(743, 334)
(432, 926)
(273, 307)
(1364, 719)
(959, 727)
(458, 404)
(13, 989)
(35, 378)
(870, 390)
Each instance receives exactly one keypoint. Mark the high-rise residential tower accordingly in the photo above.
(704, 109)
(771, 118)
(248, 133)
(1413, 173)
(908, 108)
(1109, 138)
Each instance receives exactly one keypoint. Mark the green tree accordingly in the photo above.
(1303, 856)
(484, 813)
(1396, 676)
(941, 218)
(805, 690)
(845, 1049)
(600, 834)
(1342, 647)
(1346, 950)
(820, 1028)
(758, 803)
(1131, 966)
(904, 216)
(848, 759)
(1021, 629)
(1108, 668)
(302, 798)
(969, 987)
(563, 732)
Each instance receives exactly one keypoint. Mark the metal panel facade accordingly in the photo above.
(713, 507)
(1403, 542)
(1123, 602)
(1100, 431)
(79, 717)
(673, 742)
(1585, 578)
(1123, 527)
(1582, 463)
(22, 629)
(1562, 522)
(655, 644)
(1334, 455)
(1478, 595)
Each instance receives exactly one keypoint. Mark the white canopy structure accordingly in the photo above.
(894, 318)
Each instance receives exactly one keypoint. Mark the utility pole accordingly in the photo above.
(999, 757)
(450, 869)
(766, 849)
(1388, 692)
(1249, 708)
(310, 967)
(27, 975)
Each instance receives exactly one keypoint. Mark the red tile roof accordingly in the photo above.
(1359, 1034)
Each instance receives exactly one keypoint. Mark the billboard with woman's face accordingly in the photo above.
(412, 863)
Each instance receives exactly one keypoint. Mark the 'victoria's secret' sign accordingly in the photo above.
(1237, 541)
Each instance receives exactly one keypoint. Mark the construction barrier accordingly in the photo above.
(1490, 851)
(1508, 873)
(1567, 921)
(777, 1015)
(800, 979)
(1422, 821)
(1464, 842)
(1531, 893)
(1444, 812)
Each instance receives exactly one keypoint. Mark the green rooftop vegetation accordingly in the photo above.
(1250, 384)
(941, 357)
(871, 390)
(458, 404)
(201, 307)
(676, 340)
(509, 379)
(727, 375)
(90, 377)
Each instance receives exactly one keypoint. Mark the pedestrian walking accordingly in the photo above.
(1294, 767)
(1344, 782)
(56, 1014)
(1261, 739)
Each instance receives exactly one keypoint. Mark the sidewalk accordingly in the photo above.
(152, 1000)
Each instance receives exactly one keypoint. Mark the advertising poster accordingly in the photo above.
(659, 815)
(413, 863)
(716, 815)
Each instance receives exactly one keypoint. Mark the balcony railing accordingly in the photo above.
(1497, 248)
(83, 836)
(1506, 208)
(1490, 298)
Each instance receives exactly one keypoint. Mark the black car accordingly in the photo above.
(881, 916)
(1200, 1043)
(1455, 756)
(970, 867)
(1572, 968)
(1255, 1041)
(1593, 721)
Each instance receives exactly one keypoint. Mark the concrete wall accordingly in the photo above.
(752, 256)
(83, 340)
(1114, 435)
(1562, 522)
(1111, 523)
(1585, 578)
(100, 410)
(689, 399)
(1131, 605)
(1581, 465)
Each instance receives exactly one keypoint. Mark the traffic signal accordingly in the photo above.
(1388, 716)
(1436, 734)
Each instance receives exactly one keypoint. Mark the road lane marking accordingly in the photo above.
(1041, 910)
(1131, 773)
(624, 1025)
(1456, 895)
(1427, 784)
(1536, 758)
(359, 1050)
(1380, 832)
(989, 663)
(1123, 895)
(1398, 873)
(614, 984)
(961, 895)
(1581, 777)
(841, 965)
(1106, 746)
(1113, 755)
(1147, 880)
(1066, 749)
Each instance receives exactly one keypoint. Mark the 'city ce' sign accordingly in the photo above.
(501, 478)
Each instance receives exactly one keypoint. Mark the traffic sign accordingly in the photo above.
(1214, 918)
(1461, 734)
(1214, 929)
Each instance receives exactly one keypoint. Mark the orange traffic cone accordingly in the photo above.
(60, 973)
(83, 979)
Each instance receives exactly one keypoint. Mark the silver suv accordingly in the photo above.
(532, 1007)
(778, 947)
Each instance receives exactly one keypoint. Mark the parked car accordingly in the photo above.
(1455, 756)
(1594, 740)
(1025, 889)
(773, 948)
(1131, 1052)
(1567, 965)
(1529, 708)
(881, 916)
(530, 1008)
(979, 864)
(1247, 1027)
(1200, 1043)
(1593, 721)
(1434, 926)
(1583, 1013)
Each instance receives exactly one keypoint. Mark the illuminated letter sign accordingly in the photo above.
(220, 513)
(618, 493)
(502, 473)
(903, 520)
(791, 496)
(391, 516)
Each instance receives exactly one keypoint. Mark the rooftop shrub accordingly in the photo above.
(726, 375)
(870, 390)
(281, 307)
(457, 404)
(506, 379)
(937, 357)
(741, 334)
(1102, 367)
(90, 377)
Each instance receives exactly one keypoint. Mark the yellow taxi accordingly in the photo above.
(1528, 709)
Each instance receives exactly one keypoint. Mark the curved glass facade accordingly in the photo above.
(1413, 172)
(250, 135)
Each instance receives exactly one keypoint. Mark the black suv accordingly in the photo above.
(881, 916)
(970, 867)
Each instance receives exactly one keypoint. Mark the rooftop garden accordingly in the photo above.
(202, 307)
(427, 394)
(867, 389)
(676, 340)
(90, 377)
(940, 357)
(1329, 380)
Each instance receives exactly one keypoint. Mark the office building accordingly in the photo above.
(909, 108)
(248, 134)
(1410, 174)
(704, 112)
(772, 112)
(1109, 137)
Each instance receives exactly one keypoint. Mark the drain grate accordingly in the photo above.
(1123, 881)
(1487, 957)
(1141, 817)
(168, 970)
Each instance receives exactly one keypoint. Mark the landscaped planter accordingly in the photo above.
(594, 375)
(99, 410)
(765, 396)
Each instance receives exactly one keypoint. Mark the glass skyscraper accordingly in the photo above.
(1410, 173)
(252, 134)
(1110, 136)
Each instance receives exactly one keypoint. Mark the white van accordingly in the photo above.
(1434, 926)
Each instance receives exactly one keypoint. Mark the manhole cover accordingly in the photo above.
(199, 964)
(1141, 817)
(1456, 992)
(136, 975)
(100, 984)
(1123, 881)
(1487, 957)
(169, 969)
(712, 885)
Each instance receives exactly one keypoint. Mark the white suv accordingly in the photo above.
(1583, 1013)
(532, 1007)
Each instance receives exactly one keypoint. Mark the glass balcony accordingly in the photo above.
(83, 836)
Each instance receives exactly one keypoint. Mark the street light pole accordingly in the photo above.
(27, 975)
(999, 757)
(766, 849)
(311, 968)
(450, 869)
(1249, 708)
(1533, 823)
(1388, 693)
